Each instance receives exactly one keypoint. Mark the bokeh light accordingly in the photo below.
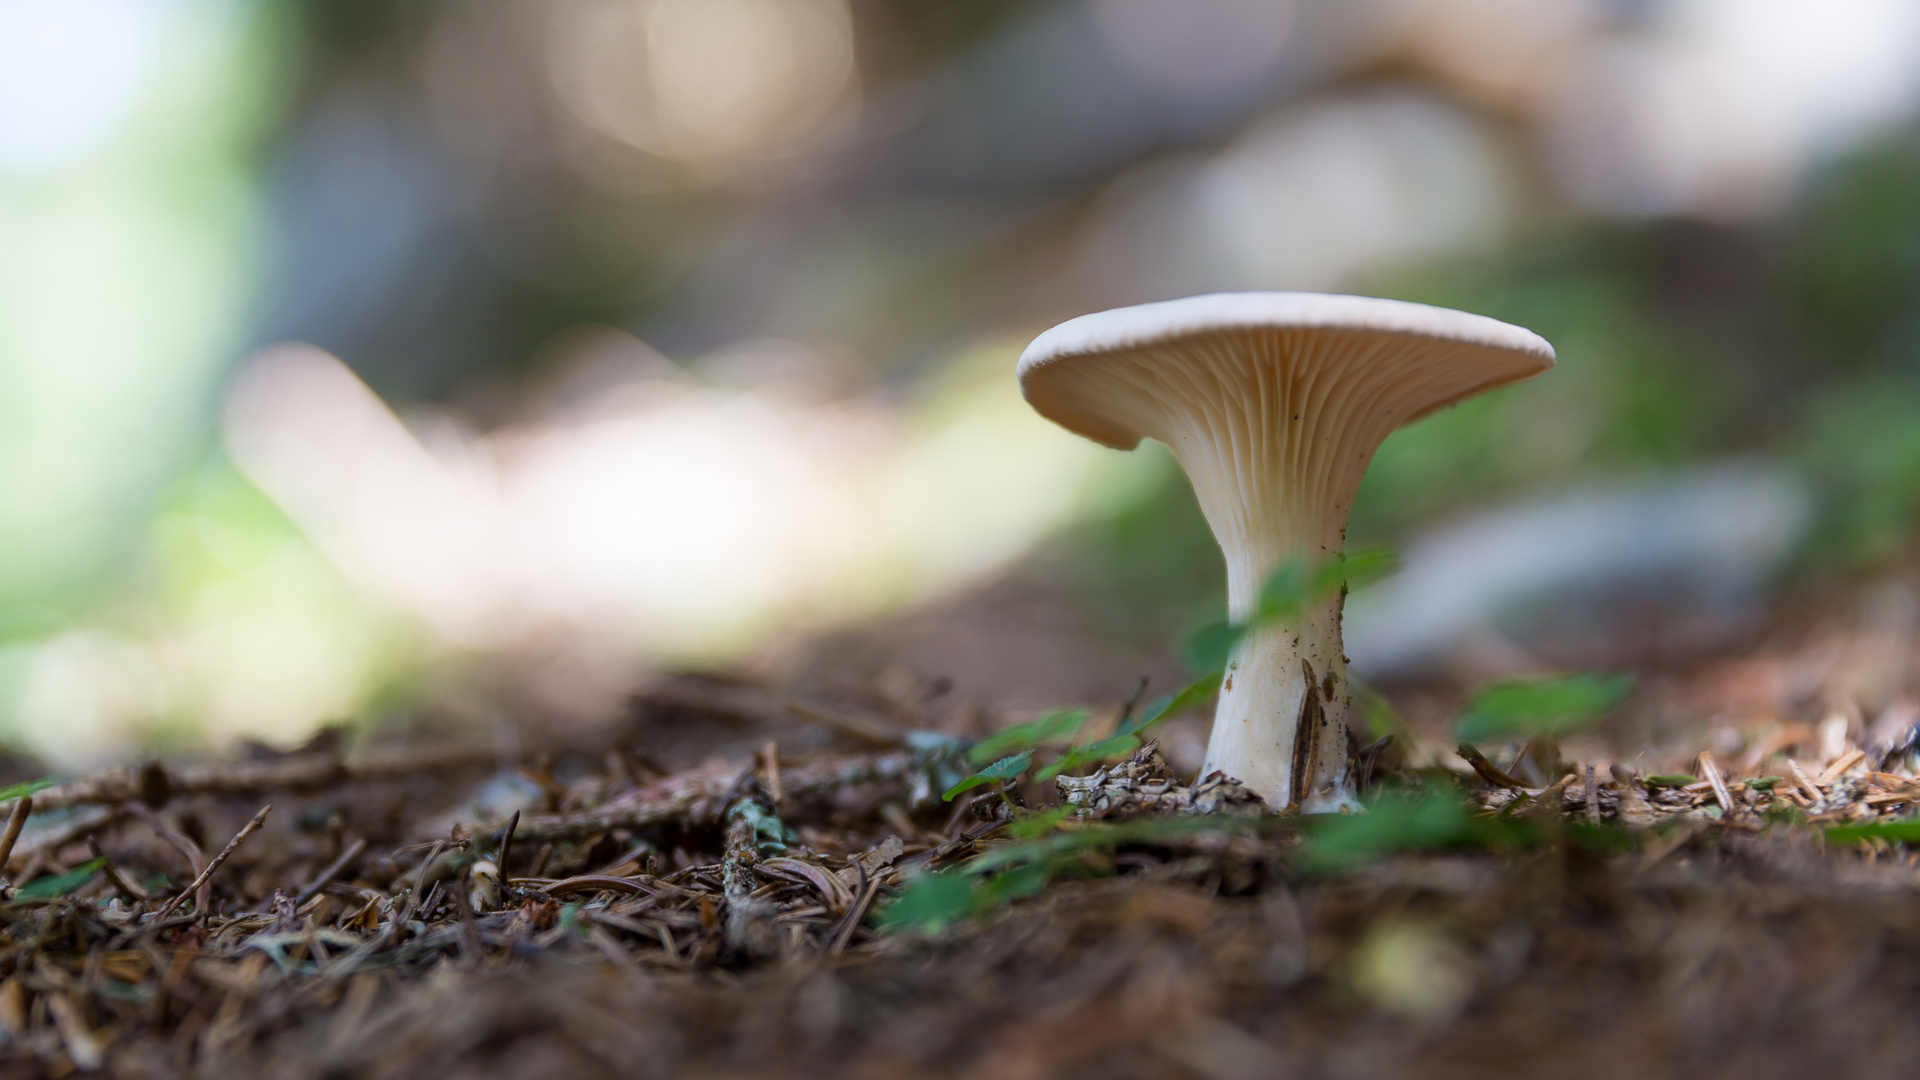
(485, 360)
(708, 82)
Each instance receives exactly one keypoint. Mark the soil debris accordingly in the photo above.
(395, 915)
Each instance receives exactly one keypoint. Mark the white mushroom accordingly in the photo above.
(1274, 403)
(483, 888)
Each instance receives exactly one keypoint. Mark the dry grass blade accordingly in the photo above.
(587, 883)
(863, 902)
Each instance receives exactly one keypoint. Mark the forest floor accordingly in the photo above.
(736, 884)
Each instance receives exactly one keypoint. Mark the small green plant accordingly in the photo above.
(1007, 768)
(931, 902)
(1035, 824)
(937, 899)
(1289, 592)
(1541, 707)
(1401, 821)
(14, 791)
(1381, 718)
(770, 835)
(1029, 737)
(1902, 831)
(1672, 780)
(1112, 748)
(58, 885)
(1049, 726)
(1781, 812)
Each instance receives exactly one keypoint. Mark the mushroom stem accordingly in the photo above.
(1281, 725)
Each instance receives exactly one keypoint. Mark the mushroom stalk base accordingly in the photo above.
(1281, 725)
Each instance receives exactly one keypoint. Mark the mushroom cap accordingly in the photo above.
(1454, 354)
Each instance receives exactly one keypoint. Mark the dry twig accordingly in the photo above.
(15, 822)
(206, 875)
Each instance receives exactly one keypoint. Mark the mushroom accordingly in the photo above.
(1274, 404)
(483, 889)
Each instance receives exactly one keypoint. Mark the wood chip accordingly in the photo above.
(1840, 766)
(1711, 772)
(82, 1045)
(1807, 787)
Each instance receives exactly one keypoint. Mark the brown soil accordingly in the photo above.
(646, 928)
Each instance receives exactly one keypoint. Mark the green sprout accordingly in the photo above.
(1671, 780)
(1007, 768)
(1541, 707)
(58, 885)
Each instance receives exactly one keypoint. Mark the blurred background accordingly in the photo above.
(487, 361)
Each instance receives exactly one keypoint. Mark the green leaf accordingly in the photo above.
(1289, 591)
(1399, 822)
(1671, 780)
(1103, 836)
(1763, 783)
(1294, 588)
(1541, 708)
(1902, 831)
(1027, 880)
(770, 834)
(938, 899)
(47, 888)
(930, 903)
(1378, 713)
(1039, 823)
(1603, 839)
(1048, 727)
(1780, 810)
(1111, 748)
(1119, 746)
(14, 791)
(1194, 695)
(1210, 647)
(1354, 570)
(1005, 769)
